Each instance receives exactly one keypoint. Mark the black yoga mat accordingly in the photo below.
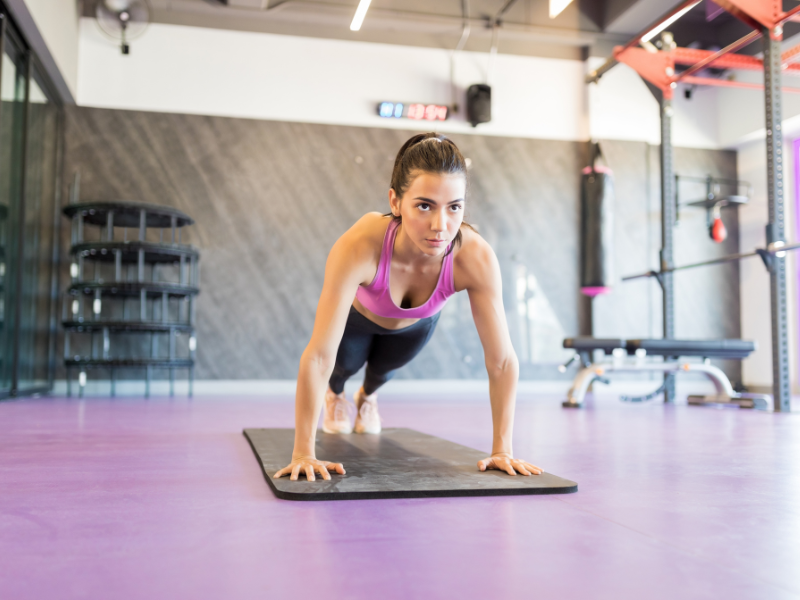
(398, 463)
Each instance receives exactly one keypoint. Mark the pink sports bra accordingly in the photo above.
(376, 296)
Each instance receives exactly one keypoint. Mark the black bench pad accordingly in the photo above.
(737, 349)
(587, 344)
(733, 349)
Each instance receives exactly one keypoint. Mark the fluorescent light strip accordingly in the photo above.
(361, 12)
(659, 28)
(557, 7)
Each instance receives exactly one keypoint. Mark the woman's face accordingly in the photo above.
(432, 210)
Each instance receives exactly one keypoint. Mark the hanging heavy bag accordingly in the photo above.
(597, 227)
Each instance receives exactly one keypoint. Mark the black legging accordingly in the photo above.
(384, 350)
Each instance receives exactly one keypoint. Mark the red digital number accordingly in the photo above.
(416, 111)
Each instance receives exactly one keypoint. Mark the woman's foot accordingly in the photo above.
(367, 418)
(337, 413)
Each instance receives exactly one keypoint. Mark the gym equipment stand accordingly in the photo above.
(657, 68)
(640, 349)
(156, 314)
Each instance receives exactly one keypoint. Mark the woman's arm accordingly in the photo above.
(484, 285)
(347, 266)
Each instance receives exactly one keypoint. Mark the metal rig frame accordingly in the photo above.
(657, 68)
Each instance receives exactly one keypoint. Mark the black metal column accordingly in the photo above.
(776, 223)
(667, 228)
(20, 250)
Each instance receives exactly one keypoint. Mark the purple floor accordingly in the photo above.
(160, 499)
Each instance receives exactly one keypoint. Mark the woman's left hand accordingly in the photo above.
(504, 462)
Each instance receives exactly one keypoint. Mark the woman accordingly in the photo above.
(427, 253)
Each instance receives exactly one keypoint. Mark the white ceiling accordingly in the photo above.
(584, 27)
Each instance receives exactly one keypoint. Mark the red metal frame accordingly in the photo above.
(761, 13)
(790, 54)
(739, 62)
(730, 49)
(659, 67)
(736, 84)
(655, 67)
(756, 13)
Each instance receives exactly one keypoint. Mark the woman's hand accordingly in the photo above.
(309, 466)
(505, 462)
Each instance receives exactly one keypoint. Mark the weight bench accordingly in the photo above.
(672, 351)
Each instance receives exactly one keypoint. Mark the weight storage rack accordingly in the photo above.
(137, 293)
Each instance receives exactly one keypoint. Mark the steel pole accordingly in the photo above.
(776, 223)
(667, 228)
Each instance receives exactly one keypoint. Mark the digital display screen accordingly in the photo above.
(416, 111)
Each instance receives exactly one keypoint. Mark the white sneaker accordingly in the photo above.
(367, 418)
(337, 413)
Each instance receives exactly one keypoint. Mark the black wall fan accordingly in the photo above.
(123, 20)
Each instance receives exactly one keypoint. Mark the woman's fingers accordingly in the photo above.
(324, 468)
(520, 466)
(509, 465)
(502, 464)
(309, 468)
(295, 472)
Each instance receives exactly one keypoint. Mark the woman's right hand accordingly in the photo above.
(309, 466)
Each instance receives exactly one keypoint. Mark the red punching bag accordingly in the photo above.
(717, 229)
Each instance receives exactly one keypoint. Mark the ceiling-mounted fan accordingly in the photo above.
(123, 20)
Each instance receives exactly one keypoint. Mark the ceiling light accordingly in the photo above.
(556, 6)
(361, 12)
(659, 28)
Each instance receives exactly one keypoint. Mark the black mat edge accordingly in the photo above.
(313, 497)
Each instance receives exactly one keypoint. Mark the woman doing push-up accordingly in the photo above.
(386, 281)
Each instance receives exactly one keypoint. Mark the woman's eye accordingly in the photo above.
(456, 207)
(424, 207)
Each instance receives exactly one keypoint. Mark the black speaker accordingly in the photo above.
(479, 103)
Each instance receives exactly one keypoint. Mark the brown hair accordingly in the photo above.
(427, 153)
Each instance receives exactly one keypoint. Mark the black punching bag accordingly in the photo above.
(597, 228)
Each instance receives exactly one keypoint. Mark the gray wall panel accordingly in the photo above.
(271, 198)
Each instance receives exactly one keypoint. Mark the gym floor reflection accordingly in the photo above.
(164, 498)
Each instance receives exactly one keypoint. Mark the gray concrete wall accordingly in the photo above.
(270, 198)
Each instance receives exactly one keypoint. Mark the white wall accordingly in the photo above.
(741, 119)
(622, 108)
(266, 76)
(741, 112)
(754, 278)
(58, 23)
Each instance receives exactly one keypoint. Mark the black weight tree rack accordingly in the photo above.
(131, 301)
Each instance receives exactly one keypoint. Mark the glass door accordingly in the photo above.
(38, 225)
(30, 142)
(13, 93)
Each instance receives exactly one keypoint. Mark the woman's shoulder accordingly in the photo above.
(475, 260)
(369, 229)
(366, 235)
(473, 246)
